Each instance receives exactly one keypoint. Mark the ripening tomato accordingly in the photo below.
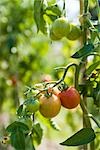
(49, 106)
(70, 98)
(60, 27)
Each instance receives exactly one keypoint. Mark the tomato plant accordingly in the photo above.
(48, 95)
(70, 98)
(49, 105)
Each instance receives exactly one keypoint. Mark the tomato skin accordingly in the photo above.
(49, 106)
(53, 36)
(60, 27)
(74, 33)
(70, 98)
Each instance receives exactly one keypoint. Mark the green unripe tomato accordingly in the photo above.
(32, 105)
(74, 33)
(60, 27)
(53, 36)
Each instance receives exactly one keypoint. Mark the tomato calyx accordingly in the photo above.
(48, 94)
(63, 86)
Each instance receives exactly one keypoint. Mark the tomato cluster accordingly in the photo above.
(50, 106)
(49, 102)
(62, 28)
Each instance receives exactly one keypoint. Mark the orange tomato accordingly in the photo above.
(49, 106)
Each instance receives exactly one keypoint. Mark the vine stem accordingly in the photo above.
(83, 104)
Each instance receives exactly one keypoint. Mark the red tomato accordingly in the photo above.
(70, 98)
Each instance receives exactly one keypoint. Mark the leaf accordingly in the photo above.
(17, 125)
(37, 133)
(19, 111)
(92, 67)
(53, 10)
(18, 140)
(54, 125)
(84, 136)
(83, 51)
(38, 15)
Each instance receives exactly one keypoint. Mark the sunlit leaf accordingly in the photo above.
(53, 10)
(92, 67)
(54, 125)
(38, 15)
(84, 136)
(17, 125)
(37, 133)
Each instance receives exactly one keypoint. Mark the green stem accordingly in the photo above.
(98, 11)
(85, 113)
(76, 77)
(85, 6)
(65, 72)
(83, 104)
(95, 120)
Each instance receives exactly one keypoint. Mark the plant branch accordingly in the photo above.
(65, 72)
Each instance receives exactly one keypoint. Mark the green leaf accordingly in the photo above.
(19, 111)
(84, 136)
(38, 15)
(85, 50)
(53, 10)
(37, 133)
(92, 67)
(18, 140)
(53, 125)
(17, 125)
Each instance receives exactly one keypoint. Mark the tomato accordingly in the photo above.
(60, 27)
(74, 33)
(53, 36)
(49, 106)
(70, 98)
(32, 105)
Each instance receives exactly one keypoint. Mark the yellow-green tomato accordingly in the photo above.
(74, 33)
(49, 106)
(60, 27)
(32, 105)
(53, 36)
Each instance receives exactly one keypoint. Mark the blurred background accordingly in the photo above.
(27, 58)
